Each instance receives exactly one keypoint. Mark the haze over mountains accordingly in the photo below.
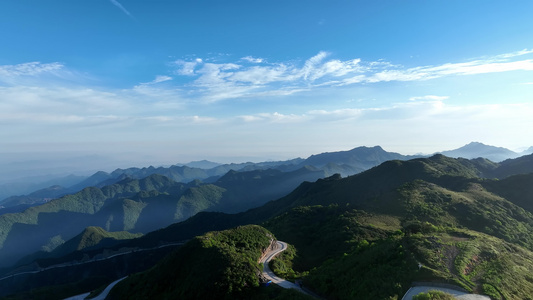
(355, 160)
(304, 202)
(476, 149)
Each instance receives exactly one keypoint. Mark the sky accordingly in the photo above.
(120, 83)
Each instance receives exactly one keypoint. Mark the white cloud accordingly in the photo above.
(429, 97)
(158, 79)
(320, 71)
(252, 59)
(187, 67)
(39, 111)
(513, 54)
(274, 118)
(8, 72)
(161, 78)
(261, 75)
(408, 128)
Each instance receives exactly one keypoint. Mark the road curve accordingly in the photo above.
(102, 295)
(279, 247)
(455, 293)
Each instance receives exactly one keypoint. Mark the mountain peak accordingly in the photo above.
(477, 149)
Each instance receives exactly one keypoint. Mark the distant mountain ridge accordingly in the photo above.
(343, 162)
(360, 158)
(476, 149)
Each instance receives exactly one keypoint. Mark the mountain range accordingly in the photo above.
(467, 221)
(346, 162)
(343, 162)
(366, 236)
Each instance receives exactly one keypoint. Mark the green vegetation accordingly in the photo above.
(434, 295)
(379, 270)
(223, 263)
(39, 227)
(367, 236)
(139, 205)
(364, 236)
(283, 265)
(91, 237)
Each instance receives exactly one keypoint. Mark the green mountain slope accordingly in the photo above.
(139, 205)
(367, 236)
(364, 236)
(46, 226)
(360, 158)
(220, 265)
(90, 237)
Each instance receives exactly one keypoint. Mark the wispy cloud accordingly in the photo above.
(429, 97)
(252, 59)
(124, 10)
(247, 78)
(158, 79)
(28, 69)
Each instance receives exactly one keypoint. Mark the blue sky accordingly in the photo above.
(130, 82)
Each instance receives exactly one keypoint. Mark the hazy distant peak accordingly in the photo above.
(477, 149)
(528, 151)
(202, 164)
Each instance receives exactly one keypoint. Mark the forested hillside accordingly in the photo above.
(139, 206)
(369, 236)
(222, 265)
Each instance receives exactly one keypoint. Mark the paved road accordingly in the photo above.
(457, 294)
(271, 253)
(70, 264)
(102, 295)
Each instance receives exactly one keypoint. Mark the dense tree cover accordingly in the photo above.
(364, 236)
(377, 258)
(367, 236)
(139, 205)
(223, 263)
(421, 216)
(434, 295)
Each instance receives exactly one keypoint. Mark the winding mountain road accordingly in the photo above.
(70, 264)
(279, 247)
